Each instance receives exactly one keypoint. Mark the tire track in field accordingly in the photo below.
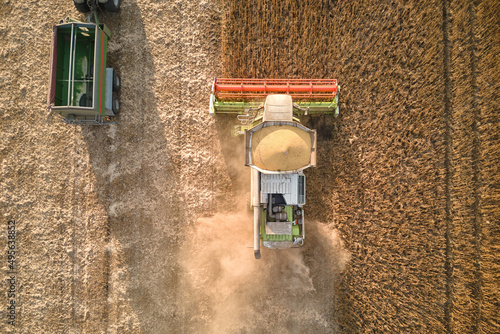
(448, 88)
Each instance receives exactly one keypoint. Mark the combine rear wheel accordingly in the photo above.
(81, 6)
(111, 5)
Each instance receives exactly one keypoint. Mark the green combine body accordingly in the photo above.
(292, 220)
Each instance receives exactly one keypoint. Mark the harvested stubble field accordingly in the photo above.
(138, 227)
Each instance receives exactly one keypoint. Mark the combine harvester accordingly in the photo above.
(277, 147)
(83, 90)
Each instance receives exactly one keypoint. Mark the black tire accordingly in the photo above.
(111, 6)
(82, 7)
(117, 82)
(116, 105)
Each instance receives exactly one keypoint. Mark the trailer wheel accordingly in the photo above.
(117, 82)
(116, 105)
(81, 6)
(111, 5)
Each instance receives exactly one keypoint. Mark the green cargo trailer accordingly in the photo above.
(83, 90)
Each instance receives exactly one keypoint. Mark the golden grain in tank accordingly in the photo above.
(281, 148)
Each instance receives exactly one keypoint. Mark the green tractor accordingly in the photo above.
(82, 89)
(277, 148)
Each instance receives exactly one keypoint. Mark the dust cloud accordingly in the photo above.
(225, 290)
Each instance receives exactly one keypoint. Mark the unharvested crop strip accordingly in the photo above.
(447, 161)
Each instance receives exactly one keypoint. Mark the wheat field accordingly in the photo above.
(409, 171)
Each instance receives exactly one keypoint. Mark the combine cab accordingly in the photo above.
(277, 148)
